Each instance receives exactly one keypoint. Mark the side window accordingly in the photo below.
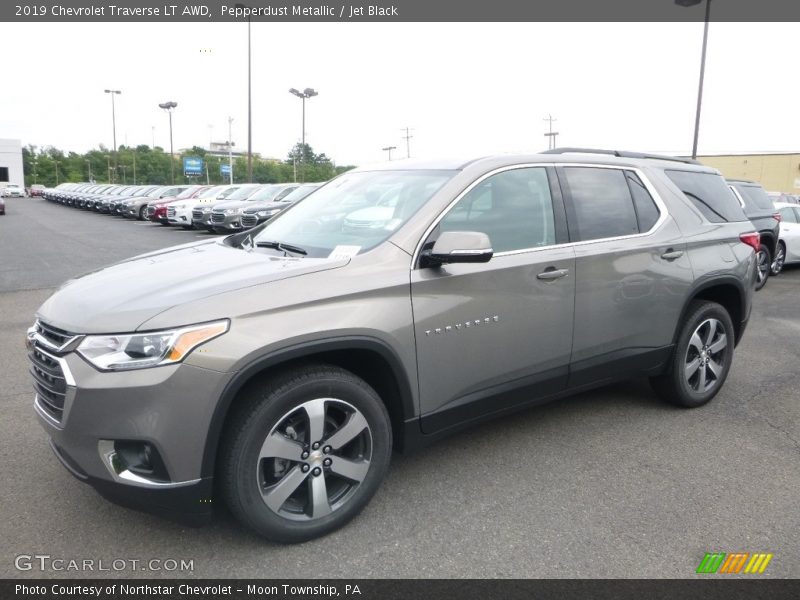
(601, 204)
(788, 215)
(513, 208)
(646, 210)
(709, 193)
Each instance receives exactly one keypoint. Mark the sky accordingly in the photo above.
(465, 89)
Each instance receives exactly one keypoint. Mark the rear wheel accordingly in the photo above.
(143, 213)
(305, 453)
(702, 357)
(763, 262)
(780, 259)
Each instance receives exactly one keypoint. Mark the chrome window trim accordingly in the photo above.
(662, 208)
(738, 196)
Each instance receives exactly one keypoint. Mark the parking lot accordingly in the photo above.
(611, 483)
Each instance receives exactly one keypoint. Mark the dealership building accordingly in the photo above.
(11, 162)
(775, 171)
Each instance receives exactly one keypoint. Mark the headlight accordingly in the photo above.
(268, 213)
(142, 350)
(229, 211)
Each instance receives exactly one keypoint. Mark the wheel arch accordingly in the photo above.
(369, 358)
(726, 291)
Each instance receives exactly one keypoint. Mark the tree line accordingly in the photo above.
(143, 164)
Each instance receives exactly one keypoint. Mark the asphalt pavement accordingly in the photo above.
(611, 483)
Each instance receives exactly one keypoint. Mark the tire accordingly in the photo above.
(779, 260)
(143, 213)
(763, 262)
(284, 485)
(705, 343)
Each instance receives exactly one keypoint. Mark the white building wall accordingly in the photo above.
(11, 158)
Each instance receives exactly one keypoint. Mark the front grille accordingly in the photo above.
(197, 214)
(57, 337)
(49, 382)
(217, 217)
(170, 212)
(249, 220)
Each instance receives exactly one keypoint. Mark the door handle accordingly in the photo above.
(671, 254)
(551, 273)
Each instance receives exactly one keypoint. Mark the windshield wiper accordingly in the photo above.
(282, 247)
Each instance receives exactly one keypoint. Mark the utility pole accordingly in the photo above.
(407, 137)
(551, 135)
(389, 150)
(153, 132)
(114, 123)
(134, 166)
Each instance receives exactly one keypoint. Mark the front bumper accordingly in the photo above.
(169, 408)
(229, 223)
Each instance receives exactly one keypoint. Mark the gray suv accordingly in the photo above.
(276, 369)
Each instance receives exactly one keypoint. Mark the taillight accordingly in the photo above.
(777, 217)
(752, 239)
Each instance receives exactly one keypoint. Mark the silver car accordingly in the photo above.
(288, 361)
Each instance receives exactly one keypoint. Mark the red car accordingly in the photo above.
(36, 190)
(157, 211)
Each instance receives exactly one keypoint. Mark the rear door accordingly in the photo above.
(631, 272)
(495, 335)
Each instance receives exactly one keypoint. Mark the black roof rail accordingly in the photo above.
(620, 154)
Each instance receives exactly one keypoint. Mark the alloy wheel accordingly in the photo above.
(780, 258)
(762, 264)
(314, 459)
(706, 355)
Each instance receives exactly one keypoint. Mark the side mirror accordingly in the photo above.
(459, 247)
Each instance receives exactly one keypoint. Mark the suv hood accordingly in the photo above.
(254, 207)
(119, 298)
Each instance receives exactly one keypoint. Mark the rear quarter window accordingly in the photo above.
(710, 194)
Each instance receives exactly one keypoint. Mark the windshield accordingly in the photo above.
(187, 193)
(265, 194)
(243, 192)
(210, 193)
(300, 193)
(359, 210)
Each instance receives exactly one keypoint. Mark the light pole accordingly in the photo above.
(114, 123)
(35, 170)
(306, 93)
(89, 165)
(169, 107)
(230, 151)
(389, 150)
(57, 162)
(249, 102)
(108, 166)
(124, 174)
(690, 3)
(153, 133)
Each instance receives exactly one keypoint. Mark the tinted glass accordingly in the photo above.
(646, 210)
(513, 208)
(754, 196)
(710, 194)
(601, 204)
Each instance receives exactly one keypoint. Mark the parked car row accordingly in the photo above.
(218, 209)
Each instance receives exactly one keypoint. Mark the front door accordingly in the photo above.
(495, 335)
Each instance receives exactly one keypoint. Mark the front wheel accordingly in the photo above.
(702, 357)
(143, 213)
(763, 262)
(305, 453)
(780, 259)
